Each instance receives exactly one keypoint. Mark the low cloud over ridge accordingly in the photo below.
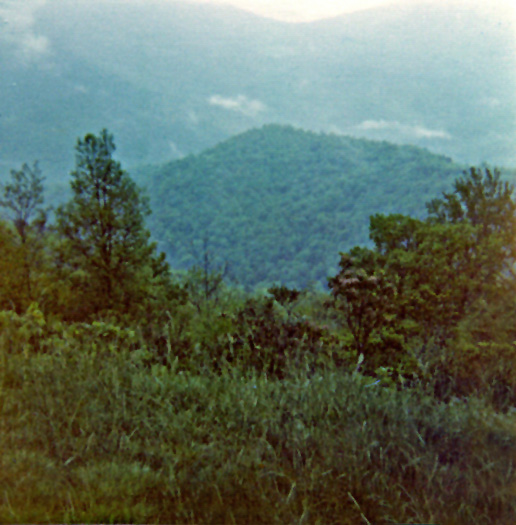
(405, 130)
(240, 104)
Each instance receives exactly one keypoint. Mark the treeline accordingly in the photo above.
(131, 392)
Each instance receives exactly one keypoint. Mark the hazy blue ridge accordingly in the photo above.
(170, 79)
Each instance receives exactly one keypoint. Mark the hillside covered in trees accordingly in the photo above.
(132, 393)
(277, 204)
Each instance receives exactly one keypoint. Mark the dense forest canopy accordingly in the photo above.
(278, 203)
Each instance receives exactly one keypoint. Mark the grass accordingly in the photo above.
(91, 432)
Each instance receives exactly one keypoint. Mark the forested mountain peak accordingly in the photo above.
(279, 143)
(279, 203)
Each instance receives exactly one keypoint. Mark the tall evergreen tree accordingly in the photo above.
(113, 265)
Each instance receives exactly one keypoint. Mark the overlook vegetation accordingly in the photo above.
(130, 392)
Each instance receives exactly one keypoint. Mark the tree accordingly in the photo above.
(13, 288)
(426, 276)
(434, 268)
(363, 292)
(482, 199)
(111, 262)
(23, 201)
(205, 279)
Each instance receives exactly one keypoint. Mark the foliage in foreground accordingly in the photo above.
(446, 282)
(92, 432)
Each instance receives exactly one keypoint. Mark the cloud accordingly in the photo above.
(17, 28)
(404, 130)
(300, 10)
(174, 150)
(491, 102)
(240, 104)
(192, 118)
(80, 88)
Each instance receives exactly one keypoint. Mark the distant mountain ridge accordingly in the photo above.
(169, 79)
(279, 204)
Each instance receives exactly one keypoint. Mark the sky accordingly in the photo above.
(300, 10)
(17, 16)
(16, 26)
(310, 10)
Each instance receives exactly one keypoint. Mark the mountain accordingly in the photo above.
(173, 78)
(278, 204)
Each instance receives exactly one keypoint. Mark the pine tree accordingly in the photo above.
(106, 247)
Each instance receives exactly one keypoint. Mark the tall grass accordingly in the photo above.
(92, 431)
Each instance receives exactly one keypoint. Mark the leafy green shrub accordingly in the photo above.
(22, 332)
(270, 339)
(257, 334)
(485, 370)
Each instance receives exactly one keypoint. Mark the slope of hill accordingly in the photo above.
(278, 204)
(172, 78)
